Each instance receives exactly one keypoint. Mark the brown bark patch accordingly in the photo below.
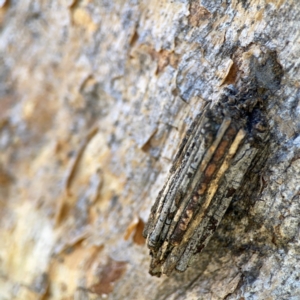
(110, 273)
(136, 228)
(197, 14)
(165, 58)
(231, 75)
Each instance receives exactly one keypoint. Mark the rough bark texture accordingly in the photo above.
(95, 98)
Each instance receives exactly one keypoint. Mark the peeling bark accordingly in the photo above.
(95, 99)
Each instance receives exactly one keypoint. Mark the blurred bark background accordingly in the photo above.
(95, 98)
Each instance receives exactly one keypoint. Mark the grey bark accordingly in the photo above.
(95, 98)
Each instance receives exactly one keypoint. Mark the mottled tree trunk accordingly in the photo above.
(95, 97)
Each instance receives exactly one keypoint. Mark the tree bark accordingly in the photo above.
(95, 99)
